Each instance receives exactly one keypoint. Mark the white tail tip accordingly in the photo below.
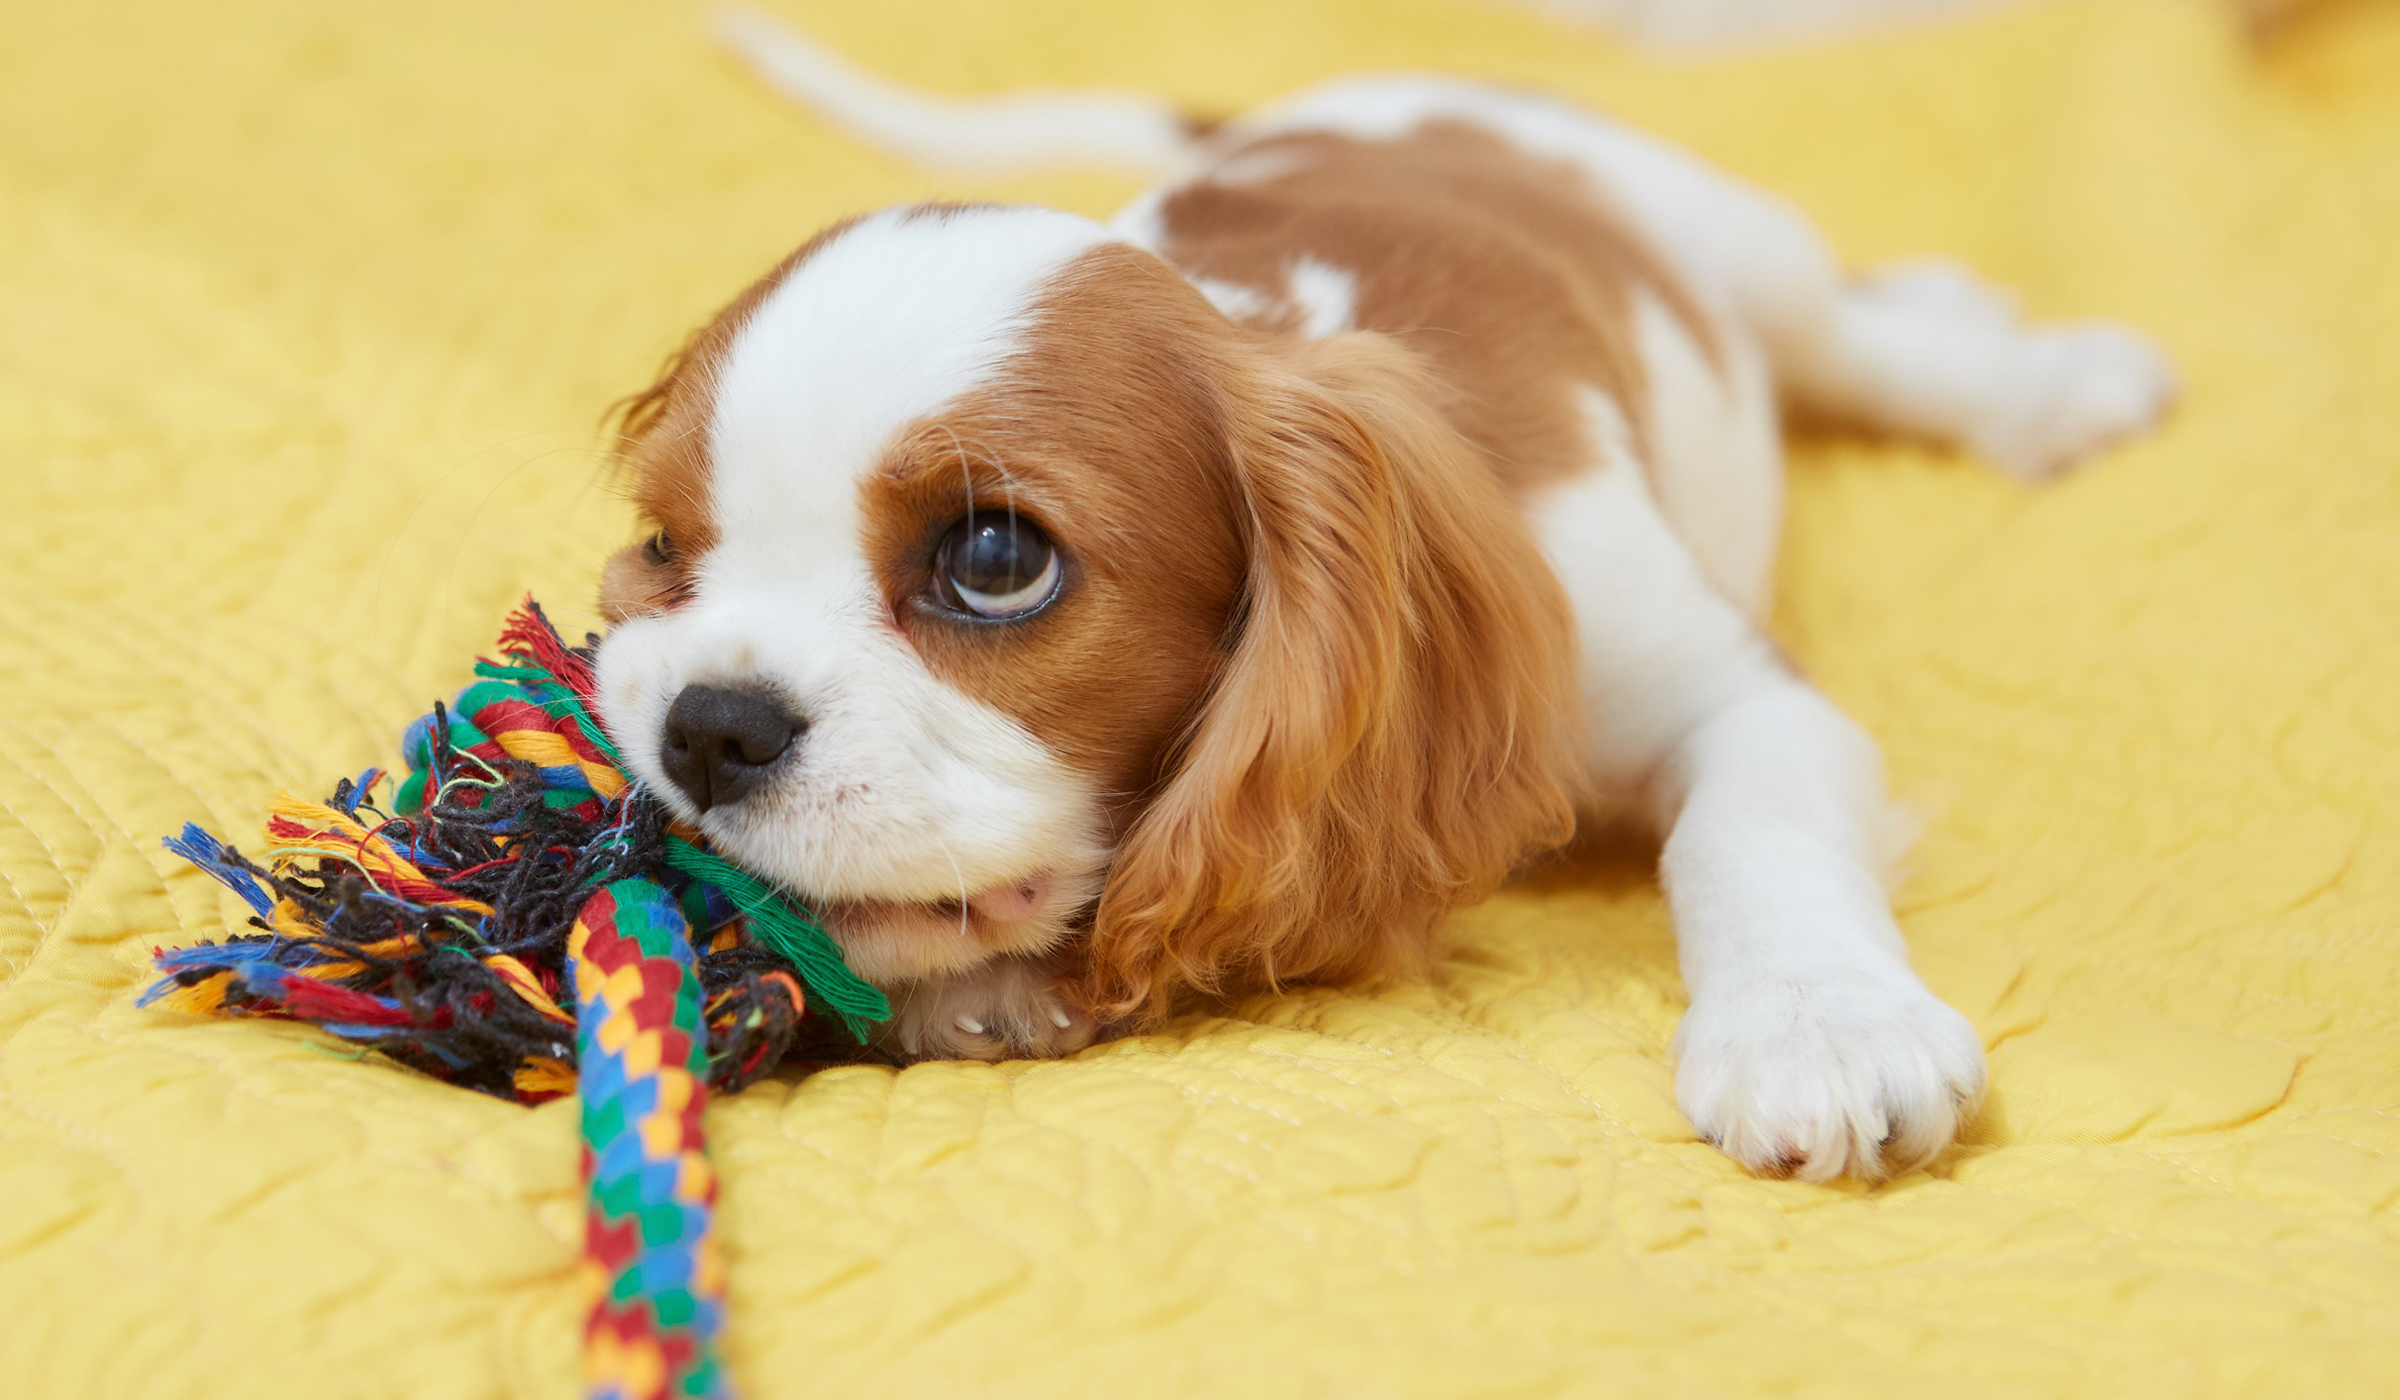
(989, 135)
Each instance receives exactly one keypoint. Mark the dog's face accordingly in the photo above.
(907, 516)
(1003, 592)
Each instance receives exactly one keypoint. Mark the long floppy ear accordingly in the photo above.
(1391, 732)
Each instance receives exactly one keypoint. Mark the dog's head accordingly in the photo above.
(1002, 593)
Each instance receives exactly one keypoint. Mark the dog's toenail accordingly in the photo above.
(970, 1025)
(1060, 1018)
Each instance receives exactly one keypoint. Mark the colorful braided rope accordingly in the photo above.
(652, 1276)
(438, 934)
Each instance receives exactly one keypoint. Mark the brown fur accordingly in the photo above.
(1508, 273)
(1391, 733)
(1141, 503)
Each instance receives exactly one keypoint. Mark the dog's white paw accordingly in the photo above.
(1007, 1009)
(2071, 391)
(1838, 1072)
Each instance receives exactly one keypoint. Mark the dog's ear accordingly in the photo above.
(1393, 727)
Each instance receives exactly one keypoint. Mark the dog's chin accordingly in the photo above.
(903, 935)
(906, 940)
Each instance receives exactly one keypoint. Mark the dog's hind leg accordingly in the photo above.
(1928, 350)
(1924, 349)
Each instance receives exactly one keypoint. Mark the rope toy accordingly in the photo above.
(518, 864)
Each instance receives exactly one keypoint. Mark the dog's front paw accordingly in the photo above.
(1825, 1074)
(1006, 1009)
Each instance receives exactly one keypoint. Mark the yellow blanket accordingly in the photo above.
(306, 312)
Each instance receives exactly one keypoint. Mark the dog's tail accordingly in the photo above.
(990, 135)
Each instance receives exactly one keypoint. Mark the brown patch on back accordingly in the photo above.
(1508, 272)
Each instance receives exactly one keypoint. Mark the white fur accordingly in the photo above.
(1719, 458)
(1810, 1047)
(1142, 222)
(1326, 295)
(1809, 1041)
(1926, 349)
(1124, 131)
(902, 788)
(1239, 301)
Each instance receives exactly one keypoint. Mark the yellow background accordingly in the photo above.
(307, 311)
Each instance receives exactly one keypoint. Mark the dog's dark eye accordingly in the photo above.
(659, 549)
(997, 566)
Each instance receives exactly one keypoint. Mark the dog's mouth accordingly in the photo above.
(1000, 906)
(905, 938)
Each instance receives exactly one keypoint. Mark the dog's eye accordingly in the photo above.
(659, 549)
(998, 566)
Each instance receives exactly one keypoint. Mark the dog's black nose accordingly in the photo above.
(720, 743)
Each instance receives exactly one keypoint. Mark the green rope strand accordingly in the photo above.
(774, 922)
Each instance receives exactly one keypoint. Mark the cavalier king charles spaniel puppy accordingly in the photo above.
(1087, 619)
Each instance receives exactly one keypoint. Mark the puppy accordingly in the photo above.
(1090, 618)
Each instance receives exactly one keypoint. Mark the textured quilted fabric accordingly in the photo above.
(306, 312)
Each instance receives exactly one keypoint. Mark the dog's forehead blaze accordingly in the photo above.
(663, 439)
(796, 400)
(937, 262)
(1107, 427)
